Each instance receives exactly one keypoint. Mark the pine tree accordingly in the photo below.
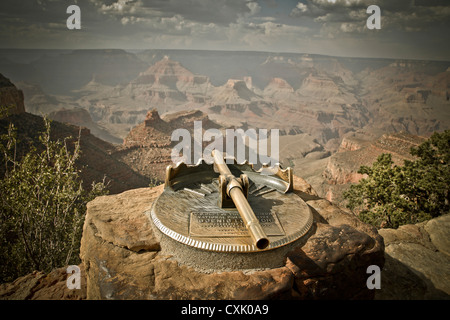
(394, 195)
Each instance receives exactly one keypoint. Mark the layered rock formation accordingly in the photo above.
(168, 82)
(152, 132)
(234, 103)
(354, 152)
(234, 92)
(280, 89)
(81, 117)
(148, 146)
(123, 261)
(36, 100)
(413, 99)
(322, 87)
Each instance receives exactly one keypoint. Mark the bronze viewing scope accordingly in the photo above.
(235, 190)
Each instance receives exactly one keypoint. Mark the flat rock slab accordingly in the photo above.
(123, 260)
(417, 261)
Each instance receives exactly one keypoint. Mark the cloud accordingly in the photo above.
(300, 8)
(224, 24)
(221, 12)
(347, 16)
(121, 6)
(254, 8)
(315, 26)
(260, 36)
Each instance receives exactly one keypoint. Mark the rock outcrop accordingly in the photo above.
(81, 117)
(342, 167)
(41, 286)
(148, 146)
(11, 97)
(122, 257)
(417, 261)
(281, 91)
(234, 92)
(167, 81)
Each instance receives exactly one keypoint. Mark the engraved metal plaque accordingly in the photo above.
(189, 211)
(216, 223)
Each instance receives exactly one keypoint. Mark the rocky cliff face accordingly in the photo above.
(81, 117)
(234, 104)
(168, 82)
(153, 132)
(11, 97)
(342, 167)
(407, 97)
(234, 92)
(280, 90)
(148, 146)
(96, 161)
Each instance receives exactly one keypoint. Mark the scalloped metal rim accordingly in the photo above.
(246, 162)
(172, 171)
(227, 247)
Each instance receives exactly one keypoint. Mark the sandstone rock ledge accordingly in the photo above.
(122, 259)
(417, 261)
(40, 286)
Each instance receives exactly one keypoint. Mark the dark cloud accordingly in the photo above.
(41, 11)
(431, 3)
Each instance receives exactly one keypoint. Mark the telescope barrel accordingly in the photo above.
(234, 191)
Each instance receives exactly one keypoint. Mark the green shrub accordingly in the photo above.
(393, 195)
(42, 206)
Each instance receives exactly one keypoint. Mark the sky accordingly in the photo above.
(410, 29)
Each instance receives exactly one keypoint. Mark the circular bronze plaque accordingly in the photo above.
(189, 213)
